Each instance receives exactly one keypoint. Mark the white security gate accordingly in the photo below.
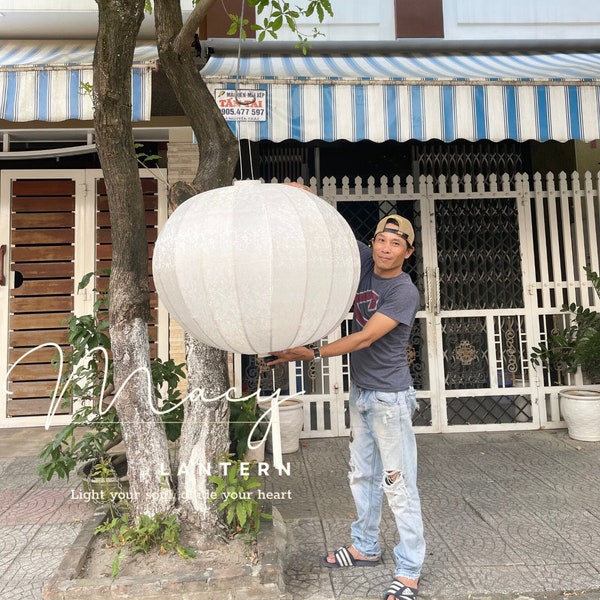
(494, 263)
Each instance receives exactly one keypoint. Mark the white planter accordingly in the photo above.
(256, 454)
(291, 420)
(580, 409)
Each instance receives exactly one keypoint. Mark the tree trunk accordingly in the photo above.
(204, 436)
(217, 146)
(205, 432)
(129, 306)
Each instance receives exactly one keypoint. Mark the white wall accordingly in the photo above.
(59, 19)
(367, 20)
(465, 19)
(352, 20)
(521, 19)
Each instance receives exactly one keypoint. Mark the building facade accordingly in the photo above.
(442, 110)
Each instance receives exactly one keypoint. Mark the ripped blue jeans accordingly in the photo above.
(383, 460)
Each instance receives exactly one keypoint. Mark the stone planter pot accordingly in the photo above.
(291, 419)
(580, 409)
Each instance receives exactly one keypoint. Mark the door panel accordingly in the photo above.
(104, 246)
(478, 254)
(481, 326)
(56, 228)
(42, 216)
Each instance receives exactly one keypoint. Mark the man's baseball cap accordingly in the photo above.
(405, 229)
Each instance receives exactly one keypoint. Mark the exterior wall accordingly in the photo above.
(553, 157)
(419, 19)
(515, 19)
(351, 21)
(382, 20)
(587, 157)
(61, 19)
(387, 20)
(182, 157)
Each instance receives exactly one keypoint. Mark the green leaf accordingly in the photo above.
(230, 514)
(241, 514)
(85, 280)
(115, 564)
(252, 484)
(185, 552)
(232, 473)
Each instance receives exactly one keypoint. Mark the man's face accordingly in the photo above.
(389, 252)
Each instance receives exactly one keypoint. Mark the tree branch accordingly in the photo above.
(186, 34)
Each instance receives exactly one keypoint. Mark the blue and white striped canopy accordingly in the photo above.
(46, 82)
(447, 97)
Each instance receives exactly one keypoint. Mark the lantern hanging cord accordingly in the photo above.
(242, 102)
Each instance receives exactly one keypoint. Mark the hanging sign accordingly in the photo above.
(242, 105)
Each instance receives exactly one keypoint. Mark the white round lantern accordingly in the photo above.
(255, 268)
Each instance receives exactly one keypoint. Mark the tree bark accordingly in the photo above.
(205, 431)
(129, 305)
(204, 436)
(217, 146)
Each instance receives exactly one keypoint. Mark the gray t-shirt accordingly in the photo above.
(383, 365)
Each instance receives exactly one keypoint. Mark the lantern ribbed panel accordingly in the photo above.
(255, 268)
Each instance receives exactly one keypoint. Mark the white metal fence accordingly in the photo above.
(496, 259)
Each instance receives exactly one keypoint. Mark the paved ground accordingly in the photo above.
(506, 515)
(38, 521)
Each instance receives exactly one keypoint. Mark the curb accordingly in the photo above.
(260, 582)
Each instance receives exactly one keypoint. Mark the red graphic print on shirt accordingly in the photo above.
(365, 304)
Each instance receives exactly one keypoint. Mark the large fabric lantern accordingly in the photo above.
(255, 268)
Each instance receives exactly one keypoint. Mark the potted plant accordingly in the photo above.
(291, 422)
(245, 413)
(577, 346)
(243, 417)
(87, 443)
(291, 413)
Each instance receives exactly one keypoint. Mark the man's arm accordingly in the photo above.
(376, 327)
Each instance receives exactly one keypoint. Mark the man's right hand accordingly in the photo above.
(293, 354)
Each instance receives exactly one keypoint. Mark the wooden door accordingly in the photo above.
(55, 228)
(104, 246)
(42, 214)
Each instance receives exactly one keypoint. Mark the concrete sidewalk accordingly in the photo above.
(38, 521)
(506, 515)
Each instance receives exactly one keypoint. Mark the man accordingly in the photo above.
(383, 453)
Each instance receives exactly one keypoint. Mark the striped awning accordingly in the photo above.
(47, 82)
(447, 97)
